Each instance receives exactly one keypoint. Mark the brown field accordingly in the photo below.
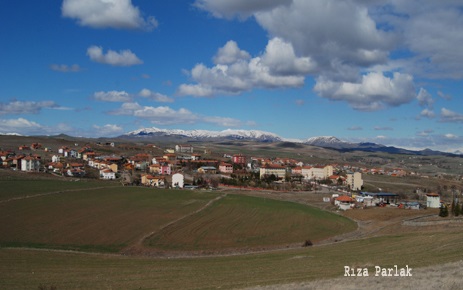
(98, 219)
(248, 222)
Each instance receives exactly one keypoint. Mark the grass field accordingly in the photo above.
(36, 233)
(105, 219)
(238, 221)
(26, 269)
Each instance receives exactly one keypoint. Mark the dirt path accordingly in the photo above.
(139, 249)
(53, 192)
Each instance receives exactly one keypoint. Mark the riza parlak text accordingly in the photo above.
(379, 271)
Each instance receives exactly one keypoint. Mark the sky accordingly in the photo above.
(384, 71)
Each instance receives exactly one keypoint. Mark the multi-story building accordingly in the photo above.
(354, 180)
(317, 172)
(277, 170)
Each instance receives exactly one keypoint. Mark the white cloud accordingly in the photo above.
(444, 96)
(330, 32)
(230, 53)
(425, 99)
(450, 116)
(20, 126)
(164, 115)
(107, 14)
(112, 96)
(427, 113)
(145, 93)
(450, 136)
(26, 107)
(355, 128)
(242, 8)
(374, 92)
(65, 67)
(121, 58)
(278, 67)
(108, 130)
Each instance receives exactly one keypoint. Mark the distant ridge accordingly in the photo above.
(330, 142)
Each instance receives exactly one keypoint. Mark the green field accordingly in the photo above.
(106, 219)
(100, 223)
(245, 222)
(27, 269)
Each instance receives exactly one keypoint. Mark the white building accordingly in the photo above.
(30, 163)
(107, 174)
(277, 170)
(354, 180)
(317, 172)
(184, 148)
(432, 200)
(178, 180)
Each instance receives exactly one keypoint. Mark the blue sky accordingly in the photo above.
(385, 71)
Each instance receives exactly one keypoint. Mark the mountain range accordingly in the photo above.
(262, 136)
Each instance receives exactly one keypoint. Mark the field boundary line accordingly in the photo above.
(139, 244)
(54, 192)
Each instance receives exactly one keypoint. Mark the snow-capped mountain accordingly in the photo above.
(327, 141)
(330, 142)
(205, 134)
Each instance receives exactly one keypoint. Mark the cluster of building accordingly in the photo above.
(154, 169)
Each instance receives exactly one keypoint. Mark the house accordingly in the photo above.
(226, 168)
(56, 167)
(239, 159)
(354, 180)
(155, 181)
(344, 202)
(55, 158)
(432, 200)
(107, 174)
(30, 163)
(178, 180)
(75, 172)
(184, 148)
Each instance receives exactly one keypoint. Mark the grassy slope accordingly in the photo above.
(93, 219)
(25, 269)
(242, 221)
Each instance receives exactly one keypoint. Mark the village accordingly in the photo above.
(184, 167)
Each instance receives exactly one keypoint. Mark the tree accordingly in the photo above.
(457, 209)
(443, 211)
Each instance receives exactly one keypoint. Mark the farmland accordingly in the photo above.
(73, 239)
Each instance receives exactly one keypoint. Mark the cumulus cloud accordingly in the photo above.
(108, 130)
(112, 96)
(230, 53)
(348, 43)
(119, 14)
(425, 99)
(234, 73)
(65, 68)
(427, 113)
(241, 8)
(145, 93)
(164, 115)
(26, 107)
(375, 91)
(121, 58)
(20, 126)
(450, 116)
(330, 32)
